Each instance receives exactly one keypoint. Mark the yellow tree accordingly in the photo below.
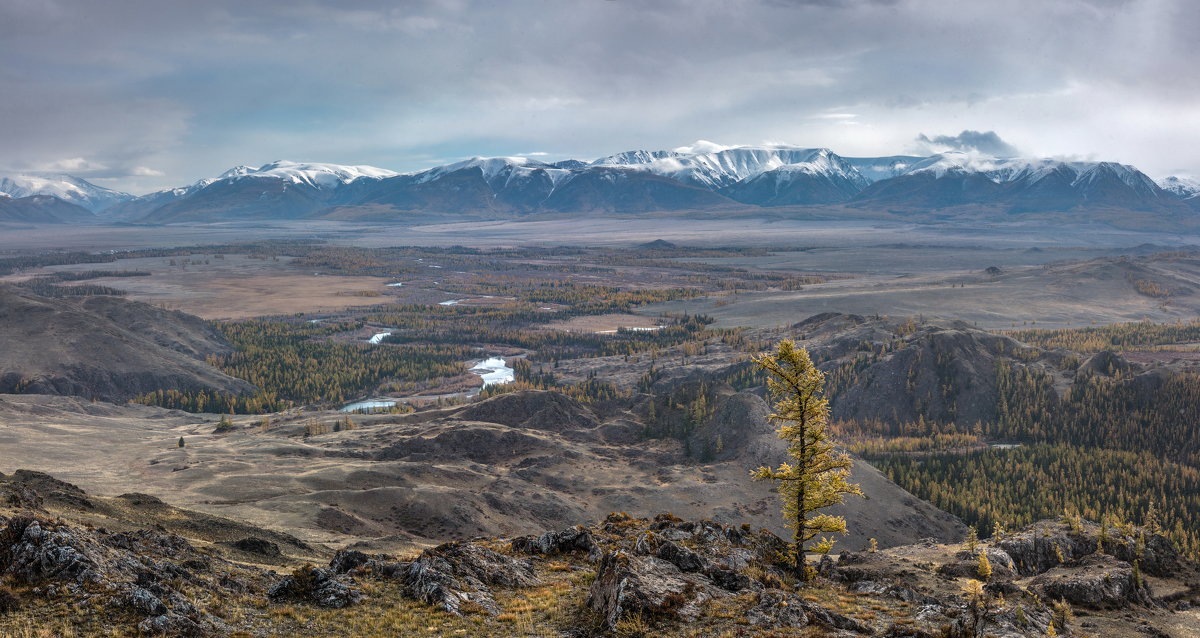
(816, 477)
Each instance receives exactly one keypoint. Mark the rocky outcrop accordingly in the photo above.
(1097, 582)
(136, 572)
(458, 577)
(1045, 545)
(316, 585)
(966, 565)
(645, 585)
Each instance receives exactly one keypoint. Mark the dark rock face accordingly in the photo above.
(316, 585)
(1155, 555)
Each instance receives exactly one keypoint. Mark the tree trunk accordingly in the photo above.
(798, 539)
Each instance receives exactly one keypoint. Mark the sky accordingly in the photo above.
(141, 95)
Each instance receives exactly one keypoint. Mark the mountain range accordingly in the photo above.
(700, 177)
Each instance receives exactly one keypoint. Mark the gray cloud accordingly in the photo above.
(985, 142)
(189, 89)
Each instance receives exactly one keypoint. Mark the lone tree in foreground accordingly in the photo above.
(816, 477)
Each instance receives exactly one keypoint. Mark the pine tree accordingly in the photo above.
(181, 442)
(971, 542)
(816, 479)
(984, 570)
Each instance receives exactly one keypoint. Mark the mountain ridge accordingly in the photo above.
(703, 176)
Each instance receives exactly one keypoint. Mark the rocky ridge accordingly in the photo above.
(622, 576)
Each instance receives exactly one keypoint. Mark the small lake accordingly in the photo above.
(378, 337)
(370, 405)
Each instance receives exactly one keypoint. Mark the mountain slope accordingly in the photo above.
(279, 190)
(65, 187)
(42, 209)
(104, 347)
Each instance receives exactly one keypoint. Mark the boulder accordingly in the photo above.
(318, 586)
(573, 540)
(458, 577)
(776, 608)
(646, 585)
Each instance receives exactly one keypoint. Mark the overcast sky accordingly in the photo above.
(143, 95)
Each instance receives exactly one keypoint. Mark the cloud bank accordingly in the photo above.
(146, 94)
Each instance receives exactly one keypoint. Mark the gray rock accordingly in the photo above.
(572, 540)
(683, 558)
(627, 584)
(454, 574)
(318, 586)
(776, 608)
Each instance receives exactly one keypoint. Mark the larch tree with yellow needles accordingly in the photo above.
(816, 477)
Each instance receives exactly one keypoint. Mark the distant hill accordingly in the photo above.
(104, 347)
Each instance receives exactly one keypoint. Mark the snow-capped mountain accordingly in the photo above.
(714, 167)
(281, 189)
(880, 168)
(700, 176)
(65, 187)
(1181, 187)
(1026, 185)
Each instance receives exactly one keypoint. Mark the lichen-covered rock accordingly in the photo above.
(173, 624)
(776, 608)
(679, 556)
(34, 550)
(459, 576)
(627, 584)
(318, 586)
(573, 540)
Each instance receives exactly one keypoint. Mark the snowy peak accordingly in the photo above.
(311, 174)
(65, 187)
(713, 166)
(1181, 187)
